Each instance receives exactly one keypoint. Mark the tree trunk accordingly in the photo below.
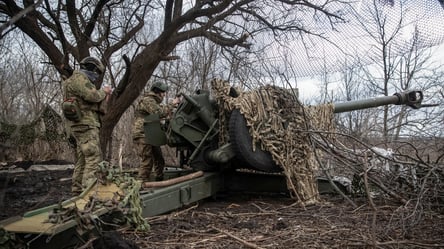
(142, 69)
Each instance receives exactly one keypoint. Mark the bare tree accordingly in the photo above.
(69, 31)
(26, 85)
(357, 123)
(399, 63)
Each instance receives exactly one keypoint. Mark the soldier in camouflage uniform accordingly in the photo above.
(85, 129)
(150, 156)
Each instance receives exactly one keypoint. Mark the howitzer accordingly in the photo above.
(193, 131)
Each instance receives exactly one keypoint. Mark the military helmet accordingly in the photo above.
(160, 86)
(93, 61)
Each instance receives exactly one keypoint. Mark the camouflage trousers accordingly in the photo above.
(150, 158)
(88, 155)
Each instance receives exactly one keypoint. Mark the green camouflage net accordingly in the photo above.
(43, 138)
(279, 124)
(125, 208)
(46, 127)
(129, 202)
(9, 240)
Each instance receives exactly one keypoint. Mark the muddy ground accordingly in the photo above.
(250, 220)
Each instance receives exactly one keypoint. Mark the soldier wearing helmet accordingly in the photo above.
(92, 64)
(159, 87)
(150, 156)
(80, 92)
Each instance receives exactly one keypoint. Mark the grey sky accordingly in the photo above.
(350, 41)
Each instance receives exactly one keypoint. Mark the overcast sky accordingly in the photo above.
(350, 40)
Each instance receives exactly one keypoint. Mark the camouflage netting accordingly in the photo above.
(42, 139)
(125, 206)
(280, 125)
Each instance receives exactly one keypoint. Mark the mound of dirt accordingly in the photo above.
(22, 191)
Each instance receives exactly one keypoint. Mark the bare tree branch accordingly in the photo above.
(19, 15)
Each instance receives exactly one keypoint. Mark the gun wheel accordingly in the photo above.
(242, 141)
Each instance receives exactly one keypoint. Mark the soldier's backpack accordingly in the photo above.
(71, 109)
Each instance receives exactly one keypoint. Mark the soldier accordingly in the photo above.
(150, 156)
(81, 109)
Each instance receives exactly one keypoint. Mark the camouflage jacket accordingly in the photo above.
(149, 104)
(88, 97)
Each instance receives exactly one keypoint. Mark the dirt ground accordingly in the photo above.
(249, 220)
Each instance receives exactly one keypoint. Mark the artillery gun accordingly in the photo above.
(194, 132)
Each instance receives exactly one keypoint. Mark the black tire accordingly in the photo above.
(241, 142)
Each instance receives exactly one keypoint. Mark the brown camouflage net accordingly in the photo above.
(281, 125)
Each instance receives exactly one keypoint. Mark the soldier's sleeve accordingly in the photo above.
(91, 94)
(149, 105)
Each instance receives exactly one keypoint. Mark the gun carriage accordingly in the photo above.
(194, 130)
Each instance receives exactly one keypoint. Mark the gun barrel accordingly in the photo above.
(202, 110)
(410, 98)
(192, 101)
